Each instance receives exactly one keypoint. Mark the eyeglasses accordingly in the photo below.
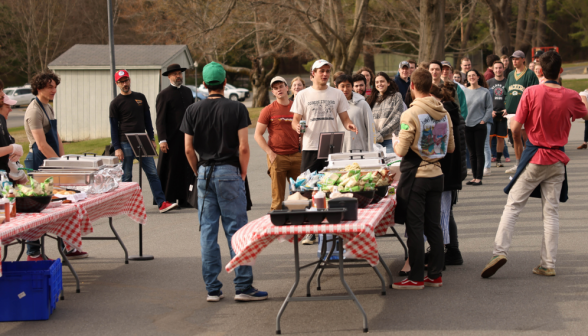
(123, 81)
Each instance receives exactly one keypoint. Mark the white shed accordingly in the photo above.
(85, 92)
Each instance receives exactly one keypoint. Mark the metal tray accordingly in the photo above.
(107, 160)
(62, 178)
(73, 162)
(354, 156)
(305, 217)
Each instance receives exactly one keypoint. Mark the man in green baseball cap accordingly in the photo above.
(216, 128)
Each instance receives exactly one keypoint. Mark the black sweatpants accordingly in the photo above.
(475, 139)
(310, 162)
(423, 217)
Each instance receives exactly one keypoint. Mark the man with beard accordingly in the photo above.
(129, 113)
(171, 105)
(359, 83)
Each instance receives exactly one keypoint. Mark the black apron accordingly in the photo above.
(50, 137)
(408, 167)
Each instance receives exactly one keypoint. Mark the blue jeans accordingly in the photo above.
(148, 167)
(504, 151)
(225, 199)
(487, 153)
(388, 145)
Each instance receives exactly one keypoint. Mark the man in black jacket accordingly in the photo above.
(173, 168)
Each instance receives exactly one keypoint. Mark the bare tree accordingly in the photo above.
(432, 30)
(500, 11)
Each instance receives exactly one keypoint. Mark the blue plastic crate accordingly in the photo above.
(29, 290)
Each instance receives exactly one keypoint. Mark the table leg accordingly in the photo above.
(387, 270)
(297, 273)
(60, 247)
(349, 291)
(326, 261)
(119, 240)
(382, 281)
(5, 248)
(401, 242)
(22, 248)
(318, 265)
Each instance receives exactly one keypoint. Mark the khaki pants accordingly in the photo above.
(283, 167)
(551, 179)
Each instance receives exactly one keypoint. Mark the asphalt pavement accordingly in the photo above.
(166, 296)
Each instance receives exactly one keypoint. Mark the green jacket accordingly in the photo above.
(514, 87)
(463, 105)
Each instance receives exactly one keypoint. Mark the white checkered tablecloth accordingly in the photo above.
(359, 236)
(72, 221)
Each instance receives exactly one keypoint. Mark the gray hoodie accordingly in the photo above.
(361, 116)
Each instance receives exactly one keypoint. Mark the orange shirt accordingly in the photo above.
(283, 140)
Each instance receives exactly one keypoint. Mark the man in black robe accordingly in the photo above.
(173, 169)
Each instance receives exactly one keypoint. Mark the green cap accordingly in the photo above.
(213, 74)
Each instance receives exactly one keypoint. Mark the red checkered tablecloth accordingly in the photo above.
(72, 221)
(359, 235)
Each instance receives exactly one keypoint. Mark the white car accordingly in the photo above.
(231, 92)
(23, 95)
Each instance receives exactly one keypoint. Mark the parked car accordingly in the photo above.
(231, 92)
(200, 94)
(23, 95)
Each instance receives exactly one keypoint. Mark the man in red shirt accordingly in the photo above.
(546, 111)
(283, 148)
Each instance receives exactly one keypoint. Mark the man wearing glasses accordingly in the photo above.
(129, 113)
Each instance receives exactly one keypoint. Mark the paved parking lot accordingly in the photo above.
(166, 296)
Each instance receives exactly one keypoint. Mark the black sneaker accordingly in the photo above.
(250, 294)
(453, 257)
(499, 164)
(215, 296)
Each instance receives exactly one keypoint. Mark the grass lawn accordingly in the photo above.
(576, 84)
(570, 65)
(254, 115)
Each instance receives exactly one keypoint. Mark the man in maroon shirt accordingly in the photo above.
(490, 59)
(283, 148)
(546, 111)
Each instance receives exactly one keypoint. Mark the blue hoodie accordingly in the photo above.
(402, 85)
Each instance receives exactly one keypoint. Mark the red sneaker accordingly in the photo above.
(408, 284)
(433, 283)
(507, 160)
(75, 254)
(493, 159)
(167, 206)
(37, 258)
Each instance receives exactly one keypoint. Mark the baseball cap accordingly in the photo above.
(447, 64)
(403, 64)
(9, 101)
(518, 54)
(278, 79)
(320, 63)
(213, 74)
(120, 74)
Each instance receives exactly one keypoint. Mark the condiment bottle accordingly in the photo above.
(6, 204)
(314, 192)
(320, 200)
(12, 199)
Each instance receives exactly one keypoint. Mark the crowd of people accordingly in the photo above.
(470, 117)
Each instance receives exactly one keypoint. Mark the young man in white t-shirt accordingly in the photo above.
(319, 106)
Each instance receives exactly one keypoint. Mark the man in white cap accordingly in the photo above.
(283, 146)
(319, 106)
(517, 81)
(402, 78)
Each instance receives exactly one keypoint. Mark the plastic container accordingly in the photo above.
(320, 200)
(348, 203)
(307, 217)
(364, 198)
(314, 192)
(381, 192)
(296, 205)
(29, 290)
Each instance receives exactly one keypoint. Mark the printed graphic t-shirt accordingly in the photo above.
(283, 140)
(497, 90)
(320, 109)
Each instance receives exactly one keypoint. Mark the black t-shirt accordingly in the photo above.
(496, 88)
(215, 123)
(132, 113)
(5, 140)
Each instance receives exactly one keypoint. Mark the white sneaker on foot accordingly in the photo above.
(511, 170)
(487, 172)
(469, 172)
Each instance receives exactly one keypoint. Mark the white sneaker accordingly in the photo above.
(487, 172)
(215, 296)
(511, 170)
(469, 172)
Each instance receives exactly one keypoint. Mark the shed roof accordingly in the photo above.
(130, 56)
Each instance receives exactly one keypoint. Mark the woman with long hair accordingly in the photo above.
(387, 107)
(296, 85)
(480, 106)
(369, 79)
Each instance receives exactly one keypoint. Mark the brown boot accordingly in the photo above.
(583, 146)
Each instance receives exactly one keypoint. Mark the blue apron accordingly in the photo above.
(526, 157)
(51, 137)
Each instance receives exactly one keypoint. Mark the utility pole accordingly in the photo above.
(111, 44)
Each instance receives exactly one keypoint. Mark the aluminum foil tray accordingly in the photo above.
(61, 178)
(72, 162)
(107, 160)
